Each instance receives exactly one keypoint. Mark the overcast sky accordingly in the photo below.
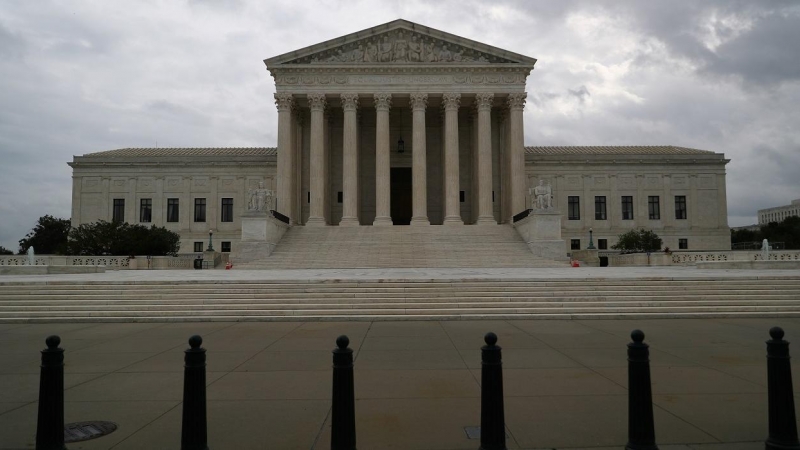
(84, 76)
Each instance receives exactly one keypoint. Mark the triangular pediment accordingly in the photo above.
(399, 42)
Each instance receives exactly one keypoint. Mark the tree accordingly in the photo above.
(121, 238)
(48, 236)
(5, 251)
(638, 241)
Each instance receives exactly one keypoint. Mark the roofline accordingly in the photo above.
(388, 26)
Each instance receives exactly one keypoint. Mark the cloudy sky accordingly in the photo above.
(83, 76)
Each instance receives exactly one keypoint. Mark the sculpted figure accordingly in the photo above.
(252, 200)
(414, 50)
(430, 52)
(332, 58)
(401, 48)
(371, 55)
(543, 195)
(259, 199)
(358, 54)
(385, 50)
(457, 56)
(445, 55)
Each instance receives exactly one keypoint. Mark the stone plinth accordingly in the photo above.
(587, 257)
(260, 235)
(541, 230)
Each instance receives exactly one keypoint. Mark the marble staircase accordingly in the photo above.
(304, 247)
(394, 299)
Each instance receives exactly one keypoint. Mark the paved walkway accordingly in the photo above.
(417, 383)
(408, 274)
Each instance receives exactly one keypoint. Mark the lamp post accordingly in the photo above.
(210, 246)
(591, 242)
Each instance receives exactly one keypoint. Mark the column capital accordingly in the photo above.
(483, 100)
(349, 101)
(516, 100)
(284, 101)
(419, 101)
(316, 101)
(383, 101)
(451, 100)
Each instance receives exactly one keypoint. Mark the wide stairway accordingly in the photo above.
(256, 300)
(336, 247)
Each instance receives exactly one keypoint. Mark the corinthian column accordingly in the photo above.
(383, 102)
(350, 161)
(419, 101)
(485, 212)
(452, 210)
(319, 174)
(284, 101)
(516, 147)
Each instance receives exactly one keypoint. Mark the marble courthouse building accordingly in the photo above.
(402, 124)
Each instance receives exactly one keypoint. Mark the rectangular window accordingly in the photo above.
(146, 210)
(462, 196)
(627, 207)
(308, 200)
(339, 197)
(680, 207)
(118, 213)
(575, 244)
(226, 246)
(574, 207)
(173, 212)
(602, 244)
(199, 210)
(227, 210)
(653, 208)
(683, 244)
(198, 246)
(600, 208)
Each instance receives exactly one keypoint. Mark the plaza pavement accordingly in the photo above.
(417, 383)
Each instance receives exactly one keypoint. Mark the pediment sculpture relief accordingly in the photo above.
(400, 46)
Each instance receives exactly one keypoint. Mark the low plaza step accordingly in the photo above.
(392, 299)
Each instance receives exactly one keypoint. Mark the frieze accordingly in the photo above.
(372, 79)
(400, 46)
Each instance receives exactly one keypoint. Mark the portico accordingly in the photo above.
(346, 108)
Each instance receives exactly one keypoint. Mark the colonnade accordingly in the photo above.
(287, 170)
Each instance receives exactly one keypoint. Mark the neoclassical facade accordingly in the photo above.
(401, 124)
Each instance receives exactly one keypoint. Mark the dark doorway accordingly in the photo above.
(401, 196)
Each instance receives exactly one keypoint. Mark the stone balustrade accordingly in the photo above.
(691, 258)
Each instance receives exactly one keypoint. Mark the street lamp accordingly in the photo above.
(591, 242)
(210, 246)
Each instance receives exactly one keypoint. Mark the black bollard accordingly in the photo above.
(343, 410)
(194, 429)
(641, 428)
(493, 424)
(50, 425)
(782, 424)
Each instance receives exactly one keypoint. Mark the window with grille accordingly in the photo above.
(227, 210)
(627, 207)
(680, 207)
(199, 210)
(574, 207)
(653, 208)
(118, 211)
(173, 211)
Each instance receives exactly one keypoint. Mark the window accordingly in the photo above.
(574, 207)
(627, 207)
(683, 244)
(680, 207)
(575, 244)
(226, 246)
(462, 196)
(118, 213)
(339, 197)
(602, 244)
(198, 246)
(173, 213)
(146, 210)
(600, 208)
(308, 200)
(492, 196)
(653, 208)
(199, 210)
(227, 210)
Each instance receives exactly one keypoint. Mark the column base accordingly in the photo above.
(453, 220)
(316, 222)
(486, 220)
(384, 221)
(349, 222)
(420, 221)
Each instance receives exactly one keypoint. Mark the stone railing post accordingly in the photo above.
(641, 428)
(782, 422)
(50, 424)
(493, 429)
(343, 408)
